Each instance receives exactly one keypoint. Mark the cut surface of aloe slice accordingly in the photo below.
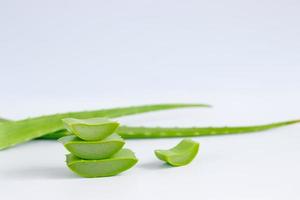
(90, 129)
(99, 149)
(182, 154)
(119, 162)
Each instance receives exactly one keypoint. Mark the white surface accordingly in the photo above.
(242, 57)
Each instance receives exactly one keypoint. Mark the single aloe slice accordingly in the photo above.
(182, 154)
(99, 149)
(119, 162)
(92, 128)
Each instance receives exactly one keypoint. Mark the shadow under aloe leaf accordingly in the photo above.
(154, 165)
(39, 172)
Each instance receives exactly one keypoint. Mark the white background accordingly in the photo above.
(240, 56)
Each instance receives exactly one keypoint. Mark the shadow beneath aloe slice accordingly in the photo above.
(154, 165)
(39, 172)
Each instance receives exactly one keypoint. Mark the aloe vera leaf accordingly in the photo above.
(182, 154)
(130, 132)
(119, 162)
(54, 136)
(93, 149)
(16, 132)
(158, 132)
(91, 128)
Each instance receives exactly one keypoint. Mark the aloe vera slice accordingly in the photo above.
(182, 154)
(93, 149)
(92, 128)
(119, 162)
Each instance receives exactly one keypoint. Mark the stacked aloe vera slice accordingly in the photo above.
(96, 151)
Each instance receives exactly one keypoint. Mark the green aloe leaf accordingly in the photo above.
(16, 132)
(130, 132)
(159, 132)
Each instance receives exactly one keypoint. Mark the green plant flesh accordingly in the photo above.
(182, 154)
(16, 132)
(93, 149)
(90, 129)
(119, 162)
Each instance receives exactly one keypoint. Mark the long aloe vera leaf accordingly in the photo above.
(158, 132)
(129, 132)
(16, 132)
